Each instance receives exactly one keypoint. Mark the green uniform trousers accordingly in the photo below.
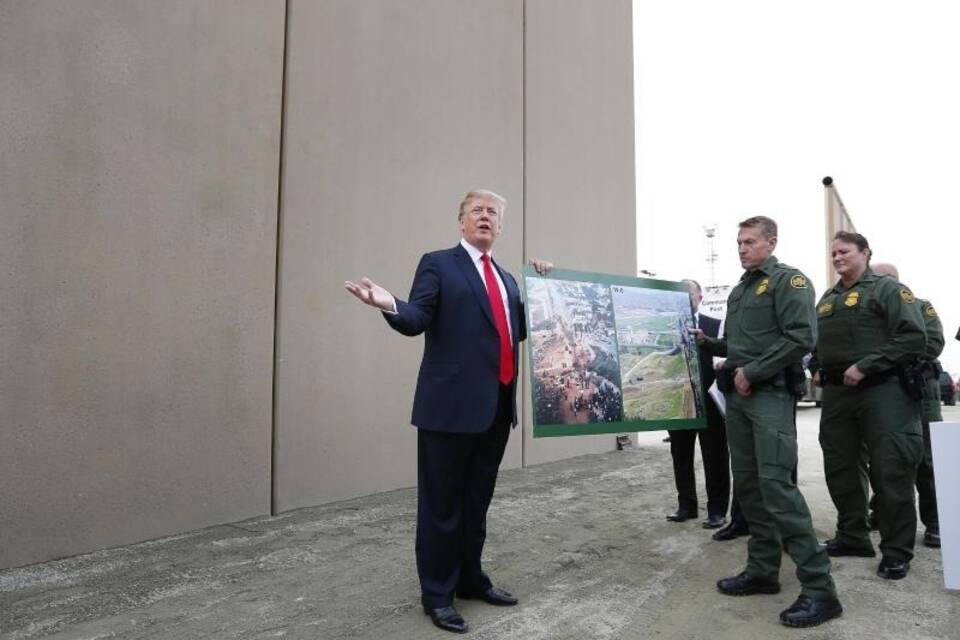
(926, 489)
(887, 421)
(762, 434)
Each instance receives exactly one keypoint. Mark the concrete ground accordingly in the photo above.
(582, 542)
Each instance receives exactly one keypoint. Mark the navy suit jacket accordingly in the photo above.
(711, 327)
(458, 385)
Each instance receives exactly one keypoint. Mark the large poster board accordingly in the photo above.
(610, 354)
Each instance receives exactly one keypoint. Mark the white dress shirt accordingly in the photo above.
(476, 255)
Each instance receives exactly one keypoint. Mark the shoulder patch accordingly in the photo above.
(931, 312)
(906, 295)
(798, 282)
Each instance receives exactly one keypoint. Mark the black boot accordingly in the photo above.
(893, 569)
(931, 538)
(747, 585)
(807, 612)
(837, 549)
(731, 531)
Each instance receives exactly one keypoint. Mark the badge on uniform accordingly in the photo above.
(906, 295)
(852, 299)
(825, 308)
(798, 282)
(762, 287)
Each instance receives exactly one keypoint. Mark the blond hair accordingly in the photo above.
(484, 193)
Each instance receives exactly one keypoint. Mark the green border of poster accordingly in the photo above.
(556, 430)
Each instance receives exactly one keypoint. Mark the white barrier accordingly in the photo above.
(945, 440)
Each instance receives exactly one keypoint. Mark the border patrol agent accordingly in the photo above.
(770, 326)
(930, 412)
(870, 329)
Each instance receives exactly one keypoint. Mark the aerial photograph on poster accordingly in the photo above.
(610, 354)
(576, 371)
(658, 358)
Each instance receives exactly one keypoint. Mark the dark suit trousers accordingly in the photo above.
(456, 475)
(716, 464)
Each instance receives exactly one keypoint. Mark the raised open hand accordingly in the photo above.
(369, 292)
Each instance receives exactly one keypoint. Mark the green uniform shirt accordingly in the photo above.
(770, 322)
(876, 324)
(935, 342)
(933, 329)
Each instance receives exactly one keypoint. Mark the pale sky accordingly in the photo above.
(743, 106)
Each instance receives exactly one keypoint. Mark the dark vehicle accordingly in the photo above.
(948, 389)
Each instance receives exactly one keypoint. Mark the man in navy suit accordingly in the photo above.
(713, 441)
(465, 404)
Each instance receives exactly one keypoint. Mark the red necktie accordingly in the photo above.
(500, 320)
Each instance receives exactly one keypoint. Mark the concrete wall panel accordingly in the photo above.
(394, 111)
(138, 221)
(138, 176)
(579, 153)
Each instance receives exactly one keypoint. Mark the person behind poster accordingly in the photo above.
(465, 403)
(713, 441)
(769, 328)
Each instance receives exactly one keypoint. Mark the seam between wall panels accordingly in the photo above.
(523, 203)
(278, 247)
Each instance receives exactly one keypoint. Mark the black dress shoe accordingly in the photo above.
(731, 531)
(714, 522)
(493, 595)
(681, 515)
(893, 569)
(807, 612)
(448, 619)
(747, 585)
(931, 539)
(836, 549)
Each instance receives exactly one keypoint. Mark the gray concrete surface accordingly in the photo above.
(578, 155)
(583, 542)
(393, 112)
(139, 146)
(140, 167)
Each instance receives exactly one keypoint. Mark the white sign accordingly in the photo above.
(945, 440)
(714, 302)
